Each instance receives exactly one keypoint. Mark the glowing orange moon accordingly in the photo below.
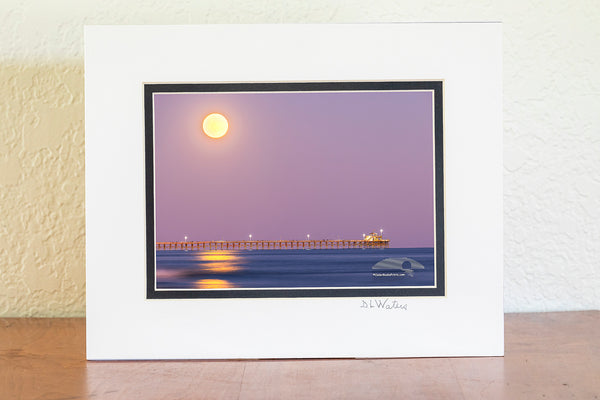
(215, 125)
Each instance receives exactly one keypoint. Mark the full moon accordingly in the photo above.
(215, 125)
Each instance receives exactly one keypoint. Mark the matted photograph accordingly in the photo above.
(307, 193)
(294, 189)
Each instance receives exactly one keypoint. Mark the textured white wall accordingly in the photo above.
(551, 140)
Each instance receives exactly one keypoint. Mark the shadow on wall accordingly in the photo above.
(42, 229)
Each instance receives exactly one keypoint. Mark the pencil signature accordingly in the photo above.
(383, 304)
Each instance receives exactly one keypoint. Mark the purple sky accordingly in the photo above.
(332, 165)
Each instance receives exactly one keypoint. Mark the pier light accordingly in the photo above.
(250, 236)
(185, 238)
(381, 232)
(364, 234)
(308, 237)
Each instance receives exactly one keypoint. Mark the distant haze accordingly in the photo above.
(329, 164)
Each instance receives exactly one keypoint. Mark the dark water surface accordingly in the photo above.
(177, 269)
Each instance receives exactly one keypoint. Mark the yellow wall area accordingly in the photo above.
(42, 224)
(551, 122)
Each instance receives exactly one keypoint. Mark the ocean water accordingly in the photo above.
(177, 269)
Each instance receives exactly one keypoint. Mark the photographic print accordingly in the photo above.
(301, 189)
(323, 136)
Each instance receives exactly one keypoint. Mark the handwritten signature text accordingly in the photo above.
(383, 304)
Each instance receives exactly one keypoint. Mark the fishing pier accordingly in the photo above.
(368, 242)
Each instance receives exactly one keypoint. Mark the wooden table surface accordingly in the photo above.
(548, 356)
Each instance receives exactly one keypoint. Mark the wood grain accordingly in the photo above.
(548, 356)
